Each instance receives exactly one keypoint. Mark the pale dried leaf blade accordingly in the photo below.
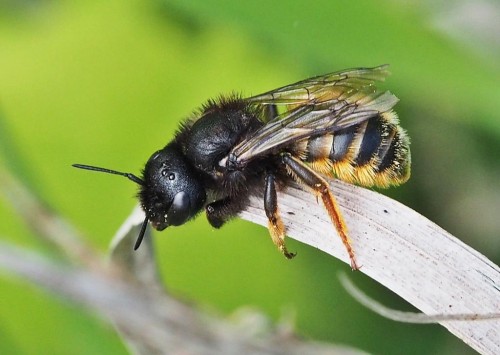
(402, 250)
(407, 317)
(141, 263)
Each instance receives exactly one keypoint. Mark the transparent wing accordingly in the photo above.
(323, 88)
(315, 106)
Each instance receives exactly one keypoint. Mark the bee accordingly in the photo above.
(337, 125)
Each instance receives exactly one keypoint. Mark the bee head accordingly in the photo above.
(171, 193)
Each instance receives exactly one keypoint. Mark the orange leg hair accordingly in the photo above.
(309, 177)
(276, 226)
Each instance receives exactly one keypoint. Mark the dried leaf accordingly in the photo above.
(404, 251)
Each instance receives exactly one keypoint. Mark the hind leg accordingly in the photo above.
(321, 188)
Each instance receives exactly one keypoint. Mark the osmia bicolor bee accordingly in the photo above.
(336, 125)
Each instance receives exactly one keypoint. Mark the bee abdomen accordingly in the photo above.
(373, 153)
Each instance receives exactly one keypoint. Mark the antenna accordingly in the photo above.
(141, 234)
(129, 176)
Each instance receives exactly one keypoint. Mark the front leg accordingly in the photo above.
(221, 211)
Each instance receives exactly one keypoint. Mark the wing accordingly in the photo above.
(315, 106)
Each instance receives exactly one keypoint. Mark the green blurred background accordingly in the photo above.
(106, 83)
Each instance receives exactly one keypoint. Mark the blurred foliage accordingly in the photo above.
(106, 83)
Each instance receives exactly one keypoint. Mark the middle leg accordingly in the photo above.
(275, 225)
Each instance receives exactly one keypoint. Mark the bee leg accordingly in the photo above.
(322, 189)
(276, 226)
(221, 211)
(217, 212)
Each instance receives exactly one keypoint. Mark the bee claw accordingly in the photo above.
(286, 253)
(354, 265)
